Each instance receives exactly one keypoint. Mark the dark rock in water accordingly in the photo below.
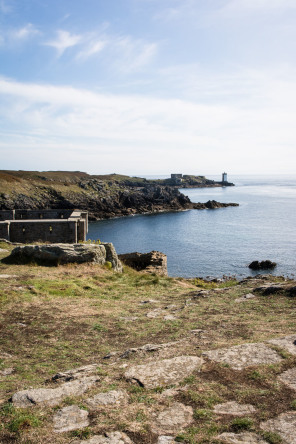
(212, 205)
(153, 262)
(263, 265)
(59, 254)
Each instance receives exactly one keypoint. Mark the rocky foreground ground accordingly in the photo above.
(91, 356)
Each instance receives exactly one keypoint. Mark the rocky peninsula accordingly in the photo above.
(103, 197)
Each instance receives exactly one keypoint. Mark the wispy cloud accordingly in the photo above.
(91, 48)
(133, 55)
(5, 8)
(25, 32)
(64, 41)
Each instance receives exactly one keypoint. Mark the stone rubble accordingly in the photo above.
(77, 373)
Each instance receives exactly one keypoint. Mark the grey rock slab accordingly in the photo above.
(165, 439)
(284, 425)
(288, 343)
(67, 253)
(76, 373)
(113, 397)
(52, 396)
(169, 317)
(108, 438)
(245, 355)
(234, 408)
(241, 438)
(6, 371)
(173, 419)
(147, 348)
(163, 372)
(7, 276)
(289, 378)
(245, 297)
(3, 250)
(70, 418)
(157, 312)
(4, 355)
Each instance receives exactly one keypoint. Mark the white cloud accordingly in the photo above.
(93, 47)
(24, 32)
(266, 6)
(5, 8)
(133, 55)
(64, 41)
(106, 132)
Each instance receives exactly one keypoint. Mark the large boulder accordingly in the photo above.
(152, 262)
(59, 254)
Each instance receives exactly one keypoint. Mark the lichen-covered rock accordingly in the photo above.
(52, 396)
(241, 438)
(113, 397)
(59, 254)
(234, 408)
(284, 425)
(165, 439)
(164, 372)
(108, 438)
(70, 418)
(245, 355)
(289, 378)
(173, 419)
(288, 343)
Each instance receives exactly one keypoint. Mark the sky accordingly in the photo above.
(148, 87)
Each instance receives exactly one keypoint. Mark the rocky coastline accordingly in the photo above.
(103, 197)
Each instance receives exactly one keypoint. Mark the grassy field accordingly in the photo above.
(57, 318)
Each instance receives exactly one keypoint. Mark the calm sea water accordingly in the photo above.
(217, 242)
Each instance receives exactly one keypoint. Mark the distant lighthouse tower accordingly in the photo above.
(224, 177)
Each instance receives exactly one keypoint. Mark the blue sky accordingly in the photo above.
(148, 86)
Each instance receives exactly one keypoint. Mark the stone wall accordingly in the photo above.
(4, 230)
(7, 214)
(54, 226)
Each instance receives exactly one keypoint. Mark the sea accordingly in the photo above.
(221, 242)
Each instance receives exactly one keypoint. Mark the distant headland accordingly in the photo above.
(103, 196)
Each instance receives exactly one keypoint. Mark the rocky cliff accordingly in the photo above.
(103, 196)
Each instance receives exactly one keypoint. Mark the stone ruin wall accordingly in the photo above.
(54, 226)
